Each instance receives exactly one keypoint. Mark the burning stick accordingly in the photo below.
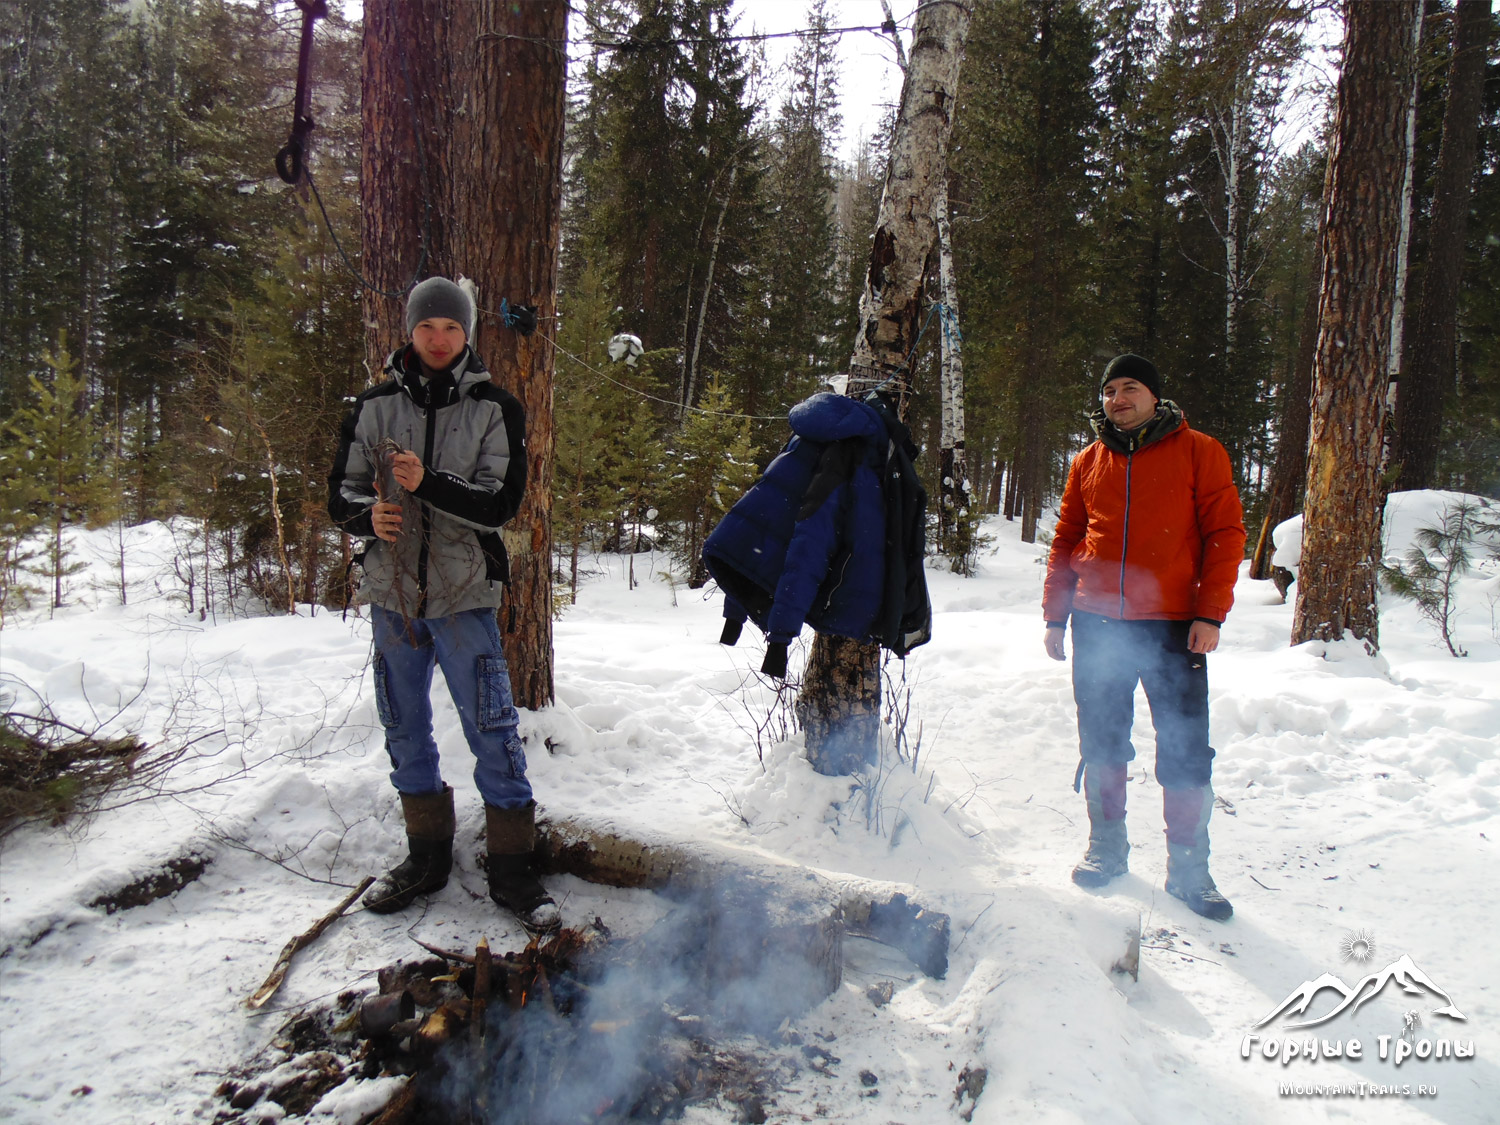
(481, 990)
(476, 1029)
(302, 941)
(399, 1109)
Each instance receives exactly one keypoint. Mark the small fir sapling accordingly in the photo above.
(1440, 556)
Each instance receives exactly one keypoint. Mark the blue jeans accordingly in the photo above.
(467, 647)
(1109, 657)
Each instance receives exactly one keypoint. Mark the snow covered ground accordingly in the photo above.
(1359, 801)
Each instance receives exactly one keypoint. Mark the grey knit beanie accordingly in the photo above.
(437, 296)
(1130, 366)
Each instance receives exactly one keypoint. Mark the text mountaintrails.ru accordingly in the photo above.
(1354, 1090)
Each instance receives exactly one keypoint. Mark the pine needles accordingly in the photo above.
(1436, 561)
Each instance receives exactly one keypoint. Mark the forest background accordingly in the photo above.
(180, 332)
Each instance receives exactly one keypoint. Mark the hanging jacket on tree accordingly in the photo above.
(905, 618)
(811, 541)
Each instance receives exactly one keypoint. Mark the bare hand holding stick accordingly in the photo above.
(407, 468)
(386, 517)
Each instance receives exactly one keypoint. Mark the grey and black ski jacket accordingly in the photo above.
(471, 437)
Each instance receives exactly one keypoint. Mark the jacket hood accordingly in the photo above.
(831, 417)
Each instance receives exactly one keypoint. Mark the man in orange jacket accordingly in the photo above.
(1148, 545)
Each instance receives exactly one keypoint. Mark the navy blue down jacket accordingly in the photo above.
(807, 542)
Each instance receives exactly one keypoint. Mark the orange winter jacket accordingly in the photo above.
(1154, 534)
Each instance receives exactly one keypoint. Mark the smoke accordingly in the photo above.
(639, 1032)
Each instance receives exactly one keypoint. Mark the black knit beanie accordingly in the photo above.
(1129, 366)
(437, 296)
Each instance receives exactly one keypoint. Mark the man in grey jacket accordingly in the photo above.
(431, 464)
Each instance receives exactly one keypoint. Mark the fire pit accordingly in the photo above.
(573, 1028)
(579, 1027)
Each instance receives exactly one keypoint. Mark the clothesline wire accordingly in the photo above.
(936, 308)
(631, 43)
(657, 398)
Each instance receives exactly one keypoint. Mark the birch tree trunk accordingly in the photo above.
(1403, 245)
(954, 488)
(1230, 145)
(691, 375)
(1362, 234)
(839, 706)
(1432, 357)
(485, 180)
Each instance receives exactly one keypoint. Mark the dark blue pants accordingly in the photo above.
(1109, 657)
(467, 647)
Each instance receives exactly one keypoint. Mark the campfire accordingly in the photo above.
(581, 1027)
(572, 1028)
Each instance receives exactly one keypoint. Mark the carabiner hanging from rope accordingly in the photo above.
(289, 159)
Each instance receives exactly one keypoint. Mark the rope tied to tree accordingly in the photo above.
(289, 161)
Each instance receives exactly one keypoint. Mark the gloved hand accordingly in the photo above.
(775, 661)
(731, 632)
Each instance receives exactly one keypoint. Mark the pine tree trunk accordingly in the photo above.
(486, 184)
(839, 706)
(1432, 355)
(404, 163)
(1362, 232)
(509, 73)
(1289, 474)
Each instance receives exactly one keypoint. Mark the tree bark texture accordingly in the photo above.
(404, 161)
(907, 229)
(1362, 231)
(1289, 473)
(839, 705)
(489, 83)
(1403, 244)
(1433, 350)
(954, 486)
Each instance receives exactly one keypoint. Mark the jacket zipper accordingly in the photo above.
(1125, 537)
(430, 412)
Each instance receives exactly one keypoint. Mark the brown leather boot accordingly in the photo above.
(429, 842)
(510, 843)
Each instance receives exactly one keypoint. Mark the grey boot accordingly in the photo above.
(1187, 812)
(510, 843)
(1106, 858)
(429, 841)
(1189, 880)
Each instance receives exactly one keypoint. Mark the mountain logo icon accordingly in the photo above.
(1403, 972)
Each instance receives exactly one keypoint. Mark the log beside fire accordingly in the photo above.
(806, 903)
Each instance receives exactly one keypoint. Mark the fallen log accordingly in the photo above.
(601, 852)
(302, 941)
